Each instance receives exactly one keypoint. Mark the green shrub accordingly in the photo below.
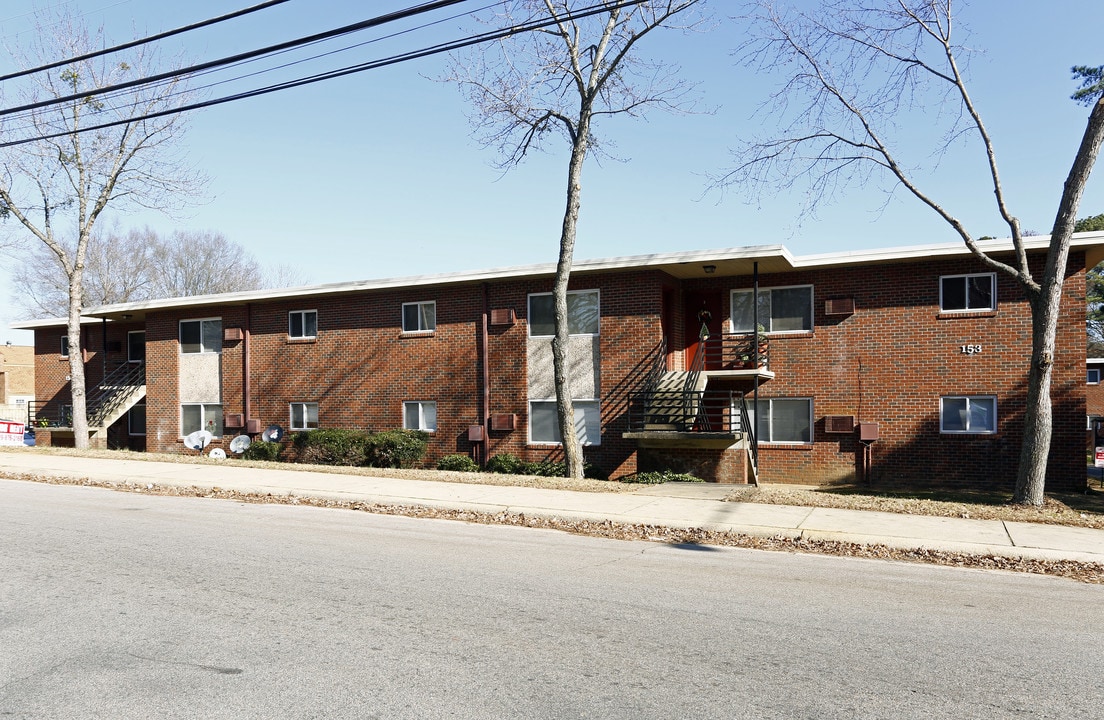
(331, 446)
(545, 468)
(657, 477)
(506, 463)
(262, 450)
(396, 448)
(457, 463)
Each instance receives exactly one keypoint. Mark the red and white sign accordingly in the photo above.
(1100, 457)
(11, 433)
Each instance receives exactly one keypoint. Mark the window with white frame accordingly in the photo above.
(201, 416)
(303, 324)
(583, 313)
(783, 420)
(201, 336)
(420, 415)
(971, 414)
(544, 427)
(65, 346)
(304, 416)
(1093, 376)
(968, 293)
(419, 316)
(781, 309)
(136, 419)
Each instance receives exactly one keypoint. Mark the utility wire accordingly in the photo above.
(349, 70)
(364, 24)
(145, 40)
(192, 90)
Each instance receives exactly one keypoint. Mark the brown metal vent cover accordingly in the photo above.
(502, 316)
(503, 421)
(839, 306)
(839, 424)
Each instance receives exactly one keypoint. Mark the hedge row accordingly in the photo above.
(335, 446)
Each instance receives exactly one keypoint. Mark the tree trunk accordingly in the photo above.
(565, 409)
(1045, 312)
(1038, 413)
(76, 365)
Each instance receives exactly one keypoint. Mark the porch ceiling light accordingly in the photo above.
(709, 269)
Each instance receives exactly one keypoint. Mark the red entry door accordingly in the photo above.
(704, 318)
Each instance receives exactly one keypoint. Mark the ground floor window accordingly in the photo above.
(968, 414)
(545, 428)
(136, 419)
(783, 420)
(304, 416)
(196, 416)
(420, 415)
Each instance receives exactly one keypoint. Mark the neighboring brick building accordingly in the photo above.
(17, 381)
(923, 348)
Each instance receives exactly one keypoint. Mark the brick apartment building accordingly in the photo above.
(904, 366)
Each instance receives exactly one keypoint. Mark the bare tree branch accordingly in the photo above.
(531, 87)
(853, 71)
(57, 189)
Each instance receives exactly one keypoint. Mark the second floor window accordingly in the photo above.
(583, 313)
(968, 293)
(201, 336)
(782, 309)
(419, 316)
(302, 324)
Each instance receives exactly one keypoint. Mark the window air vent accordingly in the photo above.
(235, 420)
(502, 316)
(839, 424)
(230, 334)
(504, 421)
(839, 306)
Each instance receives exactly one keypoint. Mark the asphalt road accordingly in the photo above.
(128, 606)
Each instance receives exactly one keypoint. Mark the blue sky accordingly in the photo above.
(376, 174)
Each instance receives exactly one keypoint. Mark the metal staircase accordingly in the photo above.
(119, 391)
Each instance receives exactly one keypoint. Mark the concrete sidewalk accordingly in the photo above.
(675, 505)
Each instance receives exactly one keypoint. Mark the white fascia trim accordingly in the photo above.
(521, 271)
(860, 257)
(50, 322)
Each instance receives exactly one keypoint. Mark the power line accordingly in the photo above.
(143, 41)
(119, 107)
(347, 29)
(489, 36)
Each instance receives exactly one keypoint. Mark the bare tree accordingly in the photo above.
(141, 265)
(856, 70)
(554, 83)
(57, 188)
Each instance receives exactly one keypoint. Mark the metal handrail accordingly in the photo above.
(109, 394)
(690, 387)
(689, 416)
(734, 351)
(750, 430)
(659, 366)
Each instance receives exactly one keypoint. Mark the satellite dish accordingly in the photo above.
(240, 444)
(217, 454)
(272, 433)
(198, 440)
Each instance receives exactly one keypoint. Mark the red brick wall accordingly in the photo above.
(52, 370)
(887, 363)
(893, 358)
